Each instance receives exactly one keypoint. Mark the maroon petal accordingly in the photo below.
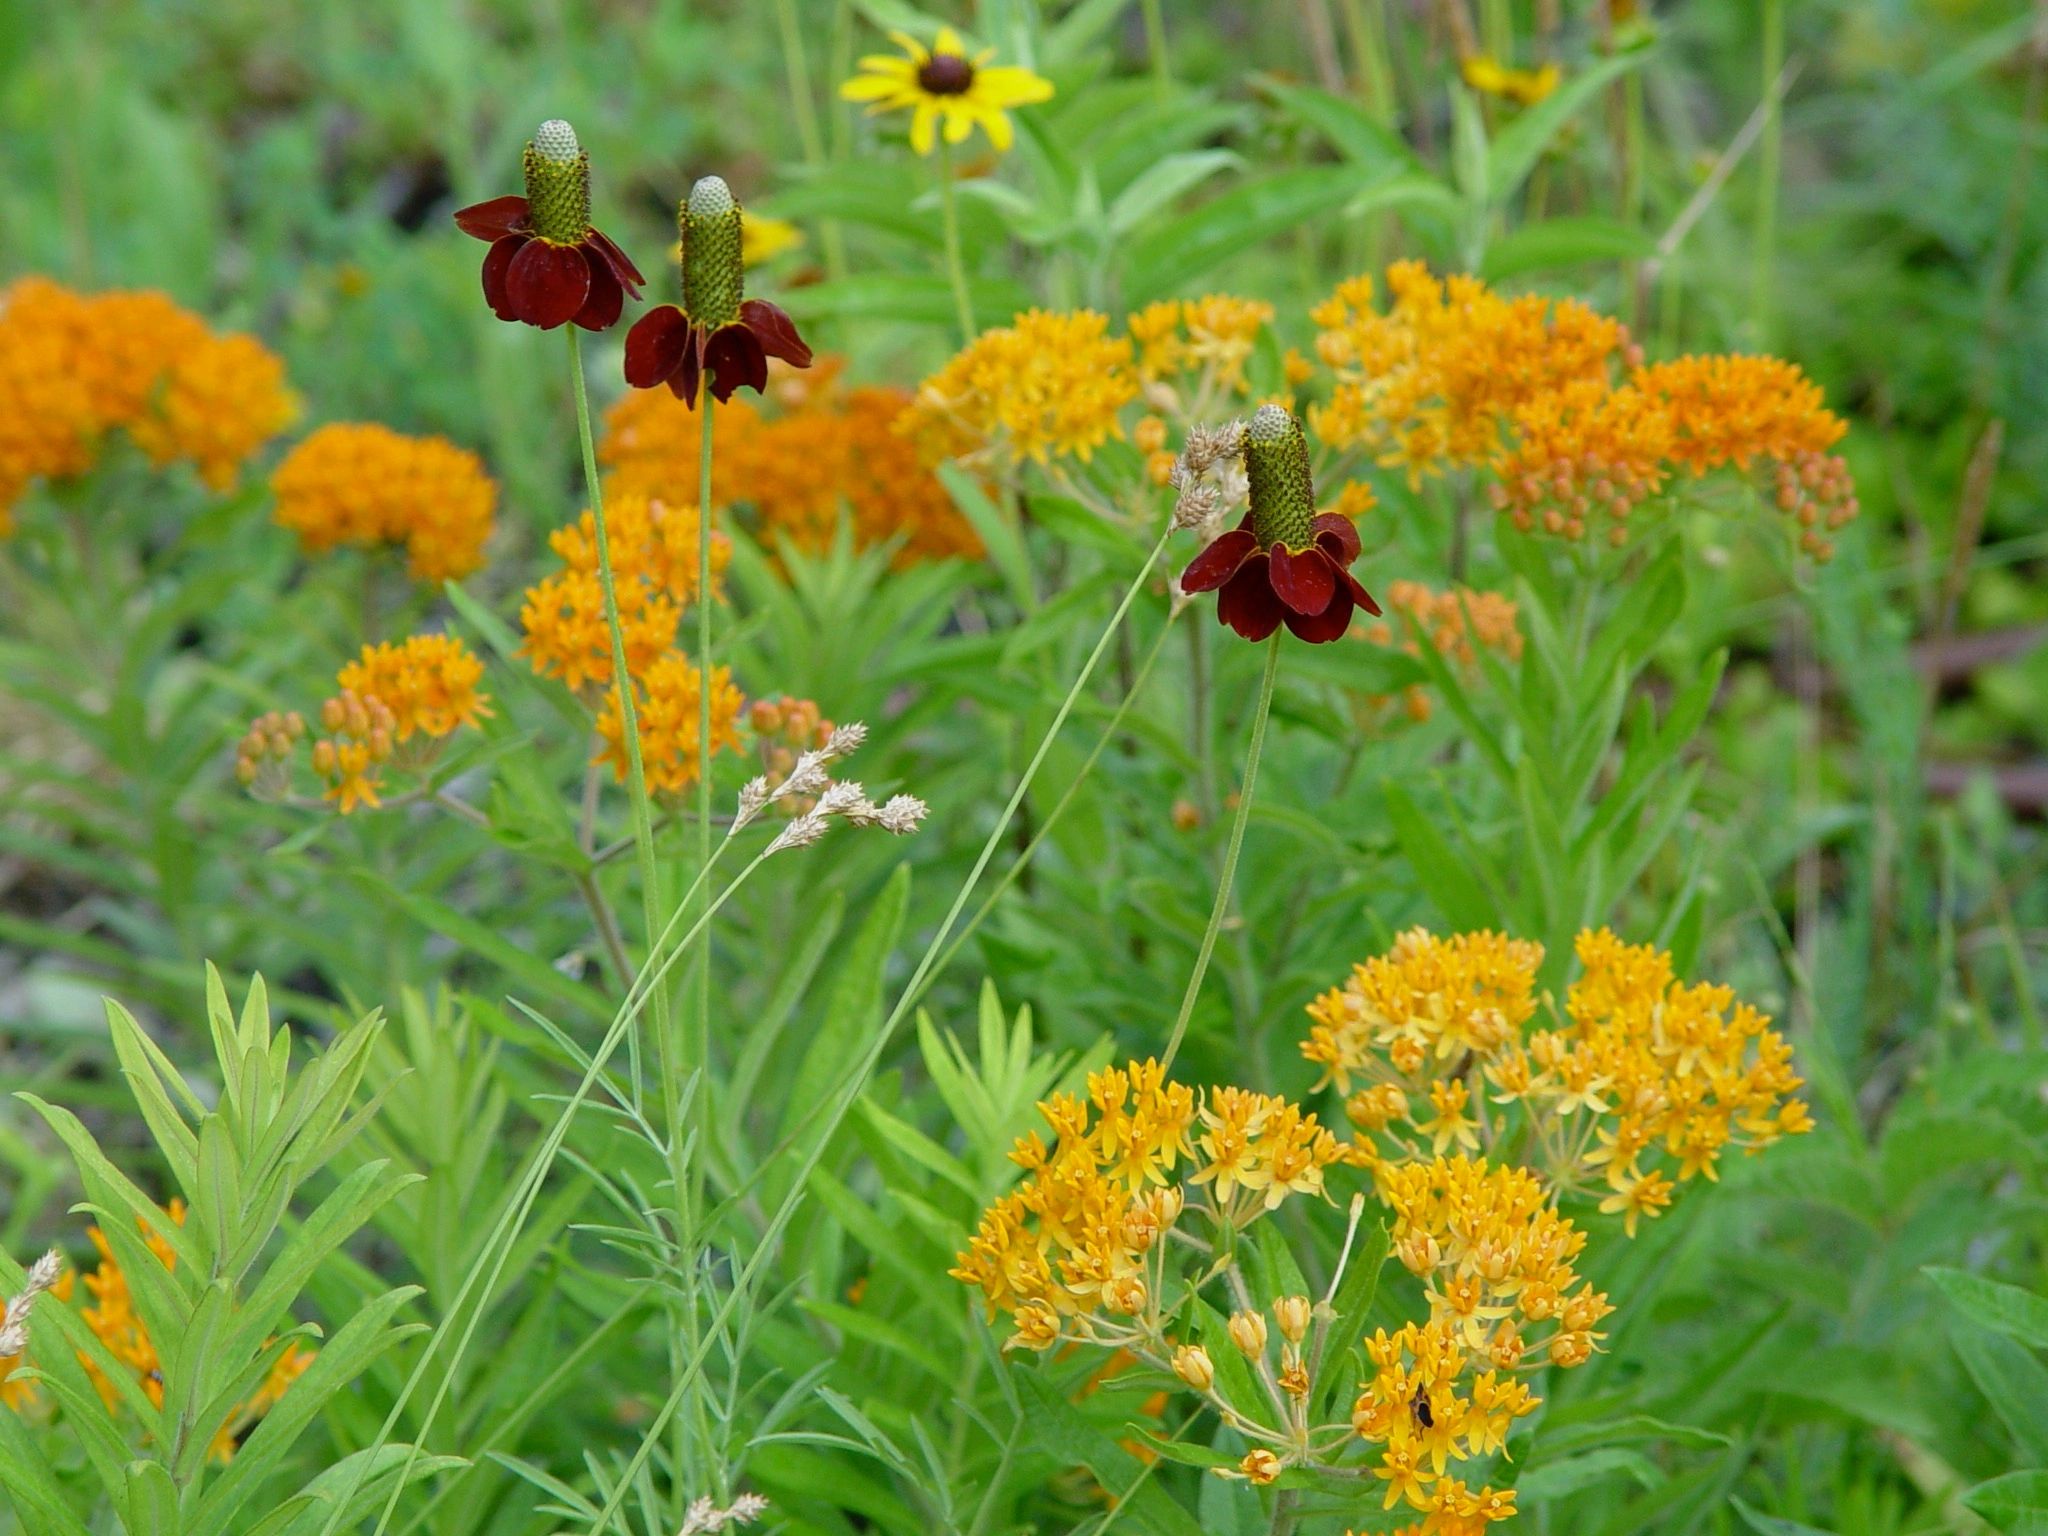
(600, 311)
(1247, 603)
(656, 346)
(1359, 595)
(684, 381)
(497, 262)
(623, 269)
(733, 358)
(776, 332)
(547, 283)
(1219, 562)
(1302, 579)
(1335, 532)
(1330, 624)
(494, 220)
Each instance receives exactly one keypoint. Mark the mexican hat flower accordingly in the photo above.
(1285, 562)
(942, 84)
(548, 264)
(718, 336)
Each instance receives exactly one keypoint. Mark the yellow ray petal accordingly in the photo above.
(909, 45)
(921, 136)
(871, 88)
(1010, 86)
(948, 41)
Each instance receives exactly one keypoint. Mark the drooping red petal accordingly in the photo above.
(776, 332)
(494, 220)
(1302, 579)
(733, 357)
(622, 268)
(497, 262)
(1247, 602)
(600, 311)
(684, 381)
(547, 283)
(1340, 533)
(656, 346)
(1219, 562)
(1358, 594)
(1330, 624)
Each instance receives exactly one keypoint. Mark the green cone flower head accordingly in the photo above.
(714, 277)
(1283, 494)
(558, 183)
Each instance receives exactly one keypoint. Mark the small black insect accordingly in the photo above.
(1419, 1406)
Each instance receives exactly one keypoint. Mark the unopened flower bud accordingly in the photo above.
(1038, 1327)
(1191, 1363)
(1292, 1314)
(1248, 1333)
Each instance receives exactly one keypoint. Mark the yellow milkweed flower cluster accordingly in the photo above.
(1642, 1078)
(112, 1317)
(653, 547)
(394, 706)
(1047, 385)
(1459, 621)
(1425, 384)
(813, 447)
(666, 709)
(1210, 339)
(1557, 404)
(74, 367)
(362, 484)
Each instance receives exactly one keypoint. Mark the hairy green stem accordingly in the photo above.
(956, 271)
(1261, 712)
(700, 1042)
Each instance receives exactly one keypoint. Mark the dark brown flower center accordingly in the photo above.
(946, 74)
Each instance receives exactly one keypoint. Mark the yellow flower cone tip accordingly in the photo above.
(555, 140)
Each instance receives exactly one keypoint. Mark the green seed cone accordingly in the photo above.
(558, 183)
(1283, 494)
(714, 277)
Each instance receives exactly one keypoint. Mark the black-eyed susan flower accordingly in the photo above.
(1285, 562)
(718, 336)
(548, 264)
(943, 85)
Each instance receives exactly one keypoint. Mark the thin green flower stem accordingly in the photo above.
(804, 106)
(1769, 153)
(700, 1041)
(504, 1234)
(1260, 714)
(956, 271)
(1073, 790)
(856, 1081)
(1155, 44)
(629, 723)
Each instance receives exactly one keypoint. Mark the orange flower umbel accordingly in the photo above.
(364, 484)
(548, 264)
(719, 336)
(1285, 563)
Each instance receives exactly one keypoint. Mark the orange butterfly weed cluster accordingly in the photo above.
(112, 1317)
(653, 546)
(1643, 1082)
(1049, 384)
(395, 706)
(1557, 402)
(1460, 622)
(363, 485)
(813, 446)
(74, 367)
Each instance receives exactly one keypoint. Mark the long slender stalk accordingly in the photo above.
(855, 1082)
(956, 271)
(1155, 45)
(1261, 712)
(804, 107)
(622, 682)
(1769, 156)
(700, 1038)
